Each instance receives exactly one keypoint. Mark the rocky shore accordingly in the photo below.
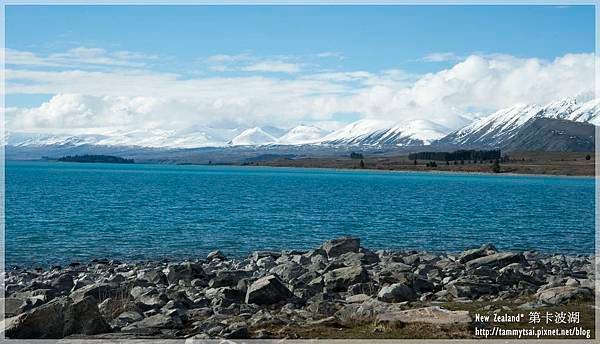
(278, 294)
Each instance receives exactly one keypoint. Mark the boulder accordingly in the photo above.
(57, 319)
(11, 306)
(155, 277)
(186, 271)
(341, 279)
(562, 295)
(267, 290)
(83, 317)
(358, 298)
(63, 283)
(337, 247)
(497, 260)
(99, 291)
(158, 321)
(218, 255)
(152, 299)
(288, 271)
(471, 287)
(398, 292)
(44, 322)
(484, 250)
(428, 315)
(228, 278)
(130, 317)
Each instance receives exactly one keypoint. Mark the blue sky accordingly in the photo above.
(370, 37)
(394, 46)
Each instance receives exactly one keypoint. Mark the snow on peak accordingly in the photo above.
(253, 137)
(302, 134)
(505, 123)
(375, 132)
(354, 132)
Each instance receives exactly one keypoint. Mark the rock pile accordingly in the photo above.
(339, 282)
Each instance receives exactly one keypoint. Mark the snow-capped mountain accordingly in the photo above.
(375, 133)
(153, 138)
(502, 126)
(501, 129)
(302, 134)
(253, 137)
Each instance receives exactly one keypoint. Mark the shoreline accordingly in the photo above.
(246, 254)
(466, 173)
(342, 169)
(288, 294)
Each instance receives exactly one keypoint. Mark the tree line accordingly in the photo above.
(458, 155)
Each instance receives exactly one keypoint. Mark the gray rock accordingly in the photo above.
(83, 317)
(471, 287)
(228, 278)
(341, 279)
(11, 306)
(57, 319)
(266, 262)
(44, 322)
(358, 298)
(428, 315)
(337, 247)
(396, 293)
(288, 271)
(155, 277)
(99, 291)
(484, 250)
(218, 255)
(186, 271)
(562, 295)
(129, 317)
(158, 321)
(497, 260)
(267, 290)
(63, 283)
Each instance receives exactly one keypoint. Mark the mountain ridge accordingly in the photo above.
(496, 130)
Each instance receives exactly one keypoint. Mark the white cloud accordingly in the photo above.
(273, 66)
(246, 62)
(331, 54)
(228, 58)
(440, 57)
(78, 57)
(134, 98)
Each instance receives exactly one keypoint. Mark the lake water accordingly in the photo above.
(61, 212)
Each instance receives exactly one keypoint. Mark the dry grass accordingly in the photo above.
(373, 330)
(551, 163)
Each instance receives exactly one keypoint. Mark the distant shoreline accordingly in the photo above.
(413, 171)
(267, 164)
(568, 164)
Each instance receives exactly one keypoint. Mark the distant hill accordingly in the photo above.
(96, 158)
(553, 135)
(516, 126)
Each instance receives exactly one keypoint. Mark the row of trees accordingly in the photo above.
(462, 155)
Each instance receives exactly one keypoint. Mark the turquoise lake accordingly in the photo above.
(57, 213)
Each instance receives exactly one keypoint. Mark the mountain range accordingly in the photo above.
(564, 125)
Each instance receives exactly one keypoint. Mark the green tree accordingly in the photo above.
(496, 166)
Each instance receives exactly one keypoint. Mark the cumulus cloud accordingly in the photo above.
(108, 99)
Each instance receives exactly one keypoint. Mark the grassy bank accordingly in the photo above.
(544, 163)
